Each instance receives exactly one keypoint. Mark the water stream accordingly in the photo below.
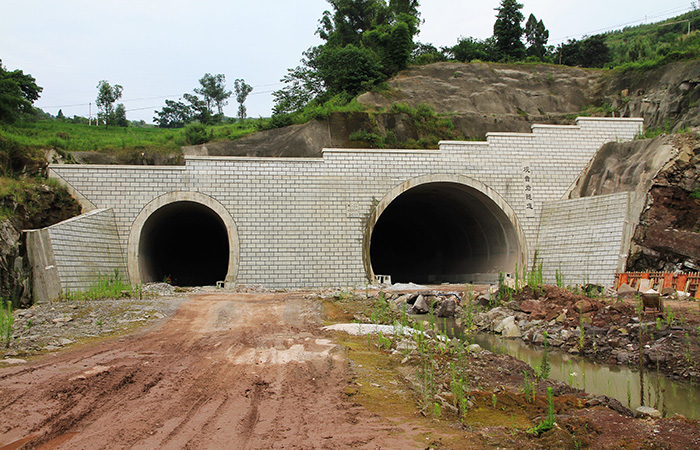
(627, 385)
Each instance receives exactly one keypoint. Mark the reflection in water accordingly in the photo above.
(621, 382)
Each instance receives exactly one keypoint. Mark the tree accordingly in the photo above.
(242, 90)
(200, 111)
(537, 36)
(18, 91)
(366, 42)
(106, 96)
(120, 116)
(468, 49)
(590, 52)
(427, 54)
(175, 114)
(214, 92)
(508, 32)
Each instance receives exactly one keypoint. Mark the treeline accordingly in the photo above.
(369, 41)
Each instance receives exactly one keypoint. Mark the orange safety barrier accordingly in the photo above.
(686, 282)
(668, 280)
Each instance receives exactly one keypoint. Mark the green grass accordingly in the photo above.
(79, 137)
(7, 321)
(106, 286)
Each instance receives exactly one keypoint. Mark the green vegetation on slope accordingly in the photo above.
(47, 134)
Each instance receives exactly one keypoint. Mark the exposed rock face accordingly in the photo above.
(668, 236)
(668, 169)
(625, 167)
(483, 97)
(14, 267)
(46, 207)
(486, 89)
(665, 96)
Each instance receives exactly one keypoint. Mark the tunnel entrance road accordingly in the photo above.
(235, 371)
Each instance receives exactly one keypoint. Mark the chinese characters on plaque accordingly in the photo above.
(527, 186)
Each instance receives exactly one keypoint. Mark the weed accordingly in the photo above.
(381, 313)
(437, 410)
(547, 423)
(528, 388)
(494, 400)
(559, 277)
(7, 321)
(111, 286)
(534, 278)
(688, 349)
(384, 343)
(669, 316)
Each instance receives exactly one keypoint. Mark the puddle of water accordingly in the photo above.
(628, 386)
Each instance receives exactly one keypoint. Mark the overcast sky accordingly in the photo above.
(158, 49)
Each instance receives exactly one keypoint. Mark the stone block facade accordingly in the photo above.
(587, 239)
(303, 222)
(71, 255)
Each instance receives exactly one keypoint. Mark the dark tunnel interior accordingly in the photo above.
(186, 243)
(442, 233)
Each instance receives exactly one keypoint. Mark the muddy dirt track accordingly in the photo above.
(234, 371)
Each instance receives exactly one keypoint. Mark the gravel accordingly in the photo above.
(51, 326)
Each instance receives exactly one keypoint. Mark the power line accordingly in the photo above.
(675, 10)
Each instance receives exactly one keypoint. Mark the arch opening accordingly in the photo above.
(443, 232)
(185, 242)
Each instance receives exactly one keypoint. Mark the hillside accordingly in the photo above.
(482, 97)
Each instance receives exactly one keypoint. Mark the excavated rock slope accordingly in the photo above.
(483, 97)
(667, 168)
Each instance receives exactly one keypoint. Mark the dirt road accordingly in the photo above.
(234, 371)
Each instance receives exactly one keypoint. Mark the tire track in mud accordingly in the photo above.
(239, 371)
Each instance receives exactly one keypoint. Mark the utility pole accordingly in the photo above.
(90, 114)
(673, 23)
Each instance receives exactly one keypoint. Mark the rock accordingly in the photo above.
(501, 325)
(65, 341)
(513, 305)
(475, 348)
(623, 357)
(402, 299)
(531, 306)
(644, 412)
(511, 331)
(13, 361)
(583, 306)
(420, 306)
(626, 291)
(668, 291)
(447, 309)
(561, 318)
(63, 319)
(484, 301)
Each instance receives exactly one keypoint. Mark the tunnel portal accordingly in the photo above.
(186, 243)
(443, 232)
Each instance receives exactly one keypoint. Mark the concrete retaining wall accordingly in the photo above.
(588, 238)
(70, 255)
(302, 222)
